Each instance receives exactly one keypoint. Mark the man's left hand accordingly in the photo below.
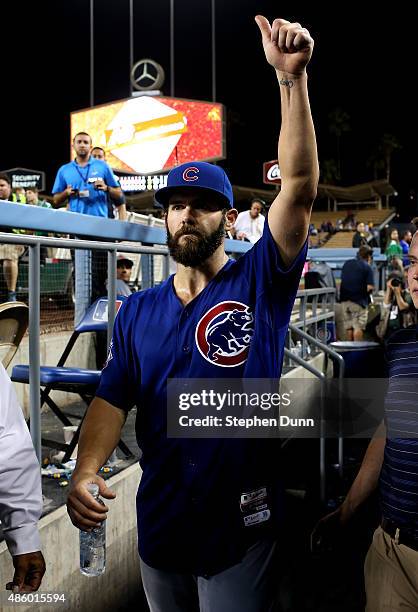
(29, 570)
(288, 46)
(100, 185)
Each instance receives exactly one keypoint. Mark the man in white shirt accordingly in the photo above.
(20, 492)
(250, 223)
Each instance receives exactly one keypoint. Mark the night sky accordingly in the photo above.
(363, 63)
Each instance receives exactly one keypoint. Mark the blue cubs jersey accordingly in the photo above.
(83, 178)
(189, 502)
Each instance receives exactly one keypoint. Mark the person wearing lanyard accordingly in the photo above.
(85, 181)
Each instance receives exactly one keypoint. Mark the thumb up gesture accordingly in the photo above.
(288, 46)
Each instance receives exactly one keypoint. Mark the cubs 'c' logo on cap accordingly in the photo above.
(224, 333)
(190, 174)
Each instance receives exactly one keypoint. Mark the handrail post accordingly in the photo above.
(34, 347)
(111, 293)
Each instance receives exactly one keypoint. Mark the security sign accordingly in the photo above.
(26, 178)
(271, 173)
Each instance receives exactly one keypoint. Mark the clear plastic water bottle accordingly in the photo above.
(93, 544)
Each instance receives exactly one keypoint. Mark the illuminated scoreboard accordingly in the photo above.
(146, 134)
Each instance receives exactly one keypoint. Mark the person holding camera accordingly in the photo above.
(397, 307)
(85, 182)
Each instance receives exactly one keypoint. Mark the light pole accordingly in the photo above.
(172, 90)
(213, 21)
(131, 41)
(91, 52)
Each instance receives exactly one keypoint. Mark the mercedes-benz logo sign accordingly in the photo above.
(147, 75)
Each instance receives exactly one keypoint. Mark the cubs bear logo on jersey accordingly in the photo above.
(224, 333)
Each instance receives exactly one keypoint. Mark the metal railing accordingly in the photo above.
(316, 307)
(34, 243)
(313, 310)
(338, 359)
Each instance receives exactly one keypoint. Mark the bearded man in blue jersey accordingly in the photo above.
(201, 542)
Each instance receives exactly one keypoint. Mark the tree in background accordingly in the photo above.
(329, 171)
(338, 125)
(380, 159)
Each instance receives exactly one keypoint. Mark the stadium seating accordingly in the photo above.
(72, 380)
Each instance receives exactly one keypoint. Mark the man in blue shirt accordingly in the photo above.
(85, 181)
(391, 465)
(356, 284)
(209, 510)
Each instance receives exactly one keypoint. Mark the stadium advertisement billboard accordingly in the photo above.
(147, 134)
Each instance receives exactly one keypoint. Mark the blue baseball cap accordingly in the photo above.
(199, 175)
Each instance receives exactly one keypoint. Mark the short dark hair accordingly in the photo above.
(33, 188)
(124, 261)
(5, 177)
(405, 233)
(260, 201)
(83, 134)
(100, 148)
(365, 252)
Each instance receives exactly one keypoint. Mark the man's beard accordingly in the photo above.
(195, 251)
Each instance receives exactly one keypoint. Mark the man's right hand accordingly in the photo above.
(29, 570)
(85, 512)
(329, 529)
(69, 190)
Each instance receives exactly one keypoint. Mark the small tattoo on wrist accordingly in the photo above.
(286, 83)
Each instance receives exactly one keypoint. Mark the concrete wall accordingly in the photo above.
(60, 548)
(52, 346)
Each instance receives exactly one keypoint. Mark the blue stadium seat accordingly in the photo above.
(56, 376)
(72, 380)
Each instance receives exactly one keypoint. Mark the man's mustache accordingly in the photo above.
(187, 229)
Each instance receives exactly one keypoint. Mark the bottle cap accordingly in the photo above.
(93, 489)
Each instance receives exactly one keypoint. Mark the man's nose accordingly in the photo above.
(189, 214)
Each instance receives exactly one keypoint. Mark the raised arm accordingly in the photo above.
(288, 48)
